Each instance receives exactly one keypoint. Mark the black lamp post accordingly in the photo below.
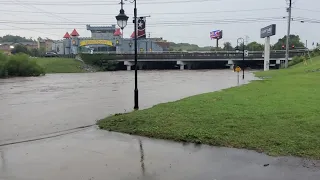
(238, 49)
(122, 20)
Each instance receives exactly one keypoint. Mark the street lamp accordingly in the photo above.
(238, 49)
(122, 19)
(122, 22)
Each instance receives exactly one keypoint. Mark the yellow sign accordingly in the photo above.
(93, 42)
(238, 69)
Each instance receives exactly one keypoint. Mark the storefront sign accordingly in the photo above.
(96, 42)
(268, 31)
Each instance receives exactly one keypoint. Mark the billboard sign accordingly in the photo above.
(268, 31)
(217, 34)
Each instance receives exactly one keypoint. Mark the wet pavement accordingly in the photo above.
(99, 155)
(55, 105)
(36, 106)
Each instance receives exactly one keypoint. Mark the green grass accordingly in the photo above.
(278, 116)
(60, 65)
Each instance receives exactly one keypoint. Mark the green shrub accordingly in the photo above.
(105, 61)
(297, 60)
(19, 65)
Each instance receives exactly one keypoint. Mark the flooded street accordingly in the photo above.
(101, 155)
(39, 106)
(35, 106)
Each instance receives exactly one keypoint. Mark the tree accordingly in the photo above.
(254, 46)
(227, 46)
(293, 40)
(20, 49)
(16, 39)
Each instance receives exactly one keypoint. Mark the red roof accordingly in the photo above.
(66, 36)
(117, 32)
(132, 35)
(74, 33)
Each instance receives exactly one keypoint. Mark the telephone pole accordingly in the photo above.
(288, 33)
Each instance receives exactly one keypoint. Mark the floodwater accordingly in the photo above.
(30, 107)
(100, 155)
(39, 106)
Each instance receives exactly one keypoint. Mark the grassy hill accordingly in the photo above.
(60, 65)
(278, 115)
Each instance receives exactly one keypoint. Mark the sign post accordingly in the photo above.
(238, 69)
(266, 33)
(217, 34)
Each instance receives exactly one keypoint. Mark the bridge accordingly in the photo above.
(188, 58)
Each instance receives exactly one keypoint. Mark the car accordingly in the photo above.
(51, 54)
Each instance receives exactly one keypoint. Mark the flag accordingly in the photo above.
(142, 27)
(216, 34)
(141, 32)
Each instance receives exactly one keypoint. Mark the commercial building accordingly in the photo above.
(106, 39)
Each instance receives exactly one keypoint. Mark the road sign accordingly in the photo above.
(238, 69)
(246, 53)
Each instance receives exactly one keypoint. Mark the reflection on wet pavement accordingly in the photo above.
(35, 106)
(101, 155)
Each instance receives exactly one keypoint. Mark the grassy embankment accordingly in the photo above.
(279, 115)
(60, 65)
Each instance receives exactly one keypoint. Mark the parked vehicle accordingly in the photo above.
(51, 54)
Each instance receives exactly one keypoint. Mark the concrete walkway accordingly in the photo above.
(94, 154)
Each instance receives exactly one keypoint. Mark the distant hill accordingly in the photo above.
(16, 39)
(188, 47)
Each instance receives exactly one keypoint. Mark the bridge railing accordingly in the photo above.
(197, 55)
(200, 55)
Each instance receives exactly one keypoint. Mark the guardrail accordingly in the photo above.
(202, 55)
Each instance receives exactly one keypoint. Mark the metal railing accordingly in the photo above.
(202, 55)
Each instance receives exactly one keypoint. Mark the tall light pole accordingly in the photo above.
(122, 22)
(288, 34)
(237, 49)
(136, 91)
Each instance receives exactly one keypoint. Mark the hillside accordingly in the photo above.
(278, 115)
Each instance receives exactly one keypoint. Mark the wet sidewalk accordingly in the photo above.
(94, 154)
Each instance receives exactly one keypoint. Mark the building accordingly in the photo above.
(106, 39)
(6, 47)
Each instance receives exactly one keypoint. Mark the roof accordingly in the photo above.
(101, 28)
(117, 32)
(6, 43)
(163, 44)
(28, 43)
(66, 36)
(74, 33)
(132, 35)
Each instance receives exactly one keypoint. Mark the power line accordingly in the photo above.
(165, 21)
(176, 25)
(309, 10)
(109, 4)
(162, 13)
(38, 9)
(28, 29)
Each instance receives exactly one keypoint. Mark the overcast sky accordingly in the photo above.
(175, 20)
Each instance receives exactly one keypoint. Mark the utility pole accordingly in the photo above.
(288, 33)
(247, 39)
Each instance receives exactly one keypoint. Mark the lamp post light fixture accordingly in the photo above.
(237, 50)
(122, 20)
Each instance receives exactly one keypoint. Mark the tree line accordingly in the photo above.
(295, 42)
